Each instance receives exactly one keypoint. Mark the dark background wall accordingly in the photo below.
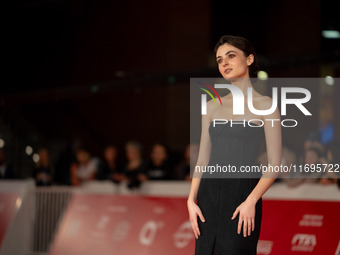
(108, 71)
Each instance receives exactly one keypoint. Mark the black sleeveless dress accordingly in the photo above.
(237, 145)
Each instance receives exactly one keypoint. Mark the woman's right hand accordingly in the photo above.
(195, 211)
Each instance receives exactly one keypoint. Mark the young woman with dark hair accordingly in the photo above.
(226, 213)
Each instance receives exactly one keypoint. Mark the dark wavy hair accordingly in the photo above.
(242, 44)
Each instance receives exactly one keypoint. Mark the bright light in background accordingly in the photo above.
(2, 143)
(29, 150)
(329, 80)
(331, 34)
(18, 202)
(262, 75)
(36, 158)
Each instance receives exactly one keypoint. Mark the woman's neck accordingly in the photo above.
(243, 84)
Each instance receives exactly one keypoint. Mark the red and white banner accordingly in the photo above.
(107, 224)
(112, 224)
(7, 211)
(300, 227)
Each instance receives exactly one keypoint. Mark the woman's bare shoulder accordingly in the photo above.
(212, 105)
(262, 101)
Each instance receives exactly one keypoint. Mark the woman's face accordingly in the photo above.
(232, 63)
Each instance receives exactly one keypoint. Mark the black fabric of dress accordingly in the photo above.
(218, 198)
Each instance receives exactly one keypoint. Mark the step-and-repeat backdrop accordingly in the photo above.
(125, 224)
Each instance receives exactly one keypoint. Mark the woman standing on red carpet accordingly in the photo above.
(228, 213)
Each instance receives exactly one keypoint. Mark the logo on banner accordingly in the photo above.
(121, 231)
(149, 231)
(303, 242)
(264, 247)
(337, 252)
(183, 235)
(310, 220)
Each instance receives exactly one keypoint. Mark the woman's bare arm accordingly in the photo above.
(274, 149)
(203, 158)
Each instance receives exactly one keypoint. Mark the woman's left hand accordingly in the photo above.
(247, 216)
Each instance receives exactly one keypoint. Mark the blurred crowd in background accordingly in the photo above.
(77, 165)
